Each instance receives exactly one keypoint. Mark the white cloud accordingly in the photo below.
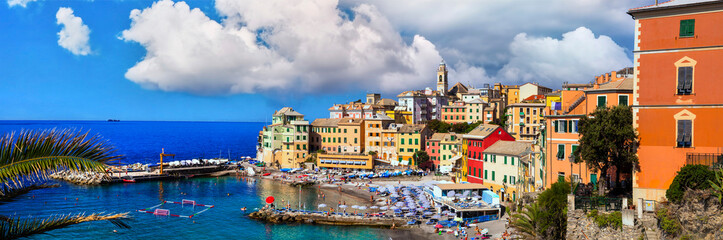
(22, 3)
(74, 35)
(276, 45)
(577, 57)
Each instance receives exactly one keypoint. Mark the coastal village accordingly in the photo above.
(518, 140)
(628, 153)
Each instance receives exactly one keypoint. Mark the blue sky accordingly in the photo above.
(42, 80)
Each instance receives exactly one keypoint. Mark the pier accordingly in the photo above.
(326, 218)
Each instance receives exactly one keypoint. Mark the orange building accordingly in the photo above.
(561, 134)
(338, 135)
(455, 113)
(677, 101)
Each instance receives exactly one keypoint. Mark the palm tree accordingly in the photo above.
(28, 158)
(526, 223)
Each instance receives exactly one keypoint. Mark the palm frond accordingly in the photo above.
(526, 223)
(7, 193)
(17, 227)
(32, 155)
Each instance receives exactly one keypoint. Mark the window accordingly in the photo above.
(623, 100)
(485, 174)
(601, 101)
(355, 130)
(560, 151)
(685, 80)
(512, 160)
(687, 28)
(402, 140)
(505, 159)
(572, 153)
(504, 179)
(493, 175)
(416, 141)
(685, 129)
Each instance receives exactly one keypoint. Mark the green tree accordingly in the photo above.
(502, 121)
(553, 205)
(608, 139)
(421, 159)
(28, 158)
(526, 224)
(439, 126)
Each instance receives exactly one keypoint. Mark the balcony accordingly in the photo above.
(708, 159)
(522, 114)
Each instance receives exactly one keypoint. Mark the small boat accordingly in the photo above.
(250, 171)
(266, 174)
(113, 120)
(128, 179)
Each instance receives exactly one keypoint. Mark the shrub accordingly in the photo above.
(667, 222)
(613, 220)
(689, 177)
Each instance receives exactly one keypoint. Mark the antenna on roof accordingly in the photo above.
(656, 2)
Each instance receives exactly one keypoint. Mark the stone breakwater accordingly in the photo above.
(315, 218)
(81, 178)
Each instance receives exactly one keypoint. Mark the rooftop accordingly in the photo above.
(625, 84)
(326, 122)
(483, 130)
(408, 128)
(672, 4)
(511, 148)
(288, 112)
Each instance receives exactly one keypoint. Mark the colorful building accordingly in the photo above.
(374, 127)
(677, 102)
(284, 143)
(473, 145)
(561, 135)
(454, 113)
(532, 89)
(475, 110)
(432, 148)
(345, 135)
(524, 120)
(507, 169)
(450, 151)
(410, 139)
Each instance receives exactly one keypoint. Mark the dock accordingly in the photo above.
(172, 173)
(325, 218)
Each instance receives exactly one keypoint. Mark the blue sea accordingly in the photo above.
(142, 142)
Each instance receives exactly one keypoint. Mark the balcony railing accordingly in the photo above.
(708, 159)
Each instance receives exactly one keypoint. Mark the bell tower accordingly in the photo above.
(442, 84)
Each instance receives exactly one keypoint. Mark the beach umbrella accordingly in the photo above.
(428, 213)
(322, 205)
(355, 206)
(383, 208)
(399, 204)
(438, 226)
(342, 206)
(405, 208)
(450, 193)
(436, 216)
(362, 207)
(373, 207)
(393, 208)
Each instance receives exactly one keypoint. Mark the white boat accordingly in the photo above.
(250, 171)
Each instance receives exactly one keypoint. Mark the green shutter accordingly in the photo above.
(485, 174)
(601, 101)
(687, 28)
(560, 151)
(402, 140)
(493, 175)
(623, 100)
(505, 159)
(513, 161)
(416, 141)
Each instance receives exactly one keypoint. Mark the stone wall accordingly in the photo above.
(579, 226)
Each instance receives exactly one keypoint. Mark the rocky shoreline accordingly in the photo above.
(80, 178)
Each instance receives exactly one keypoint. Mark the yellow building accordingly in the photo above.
(345, 161)
(373, 130)
(475, 110)
(507, 169)
(345, 135)
(410, 139)
(400, 116)
(524, 120)
(449, 152)
(284, 143)
(510, 92)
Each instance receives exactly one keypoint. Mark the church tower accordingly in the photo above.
(442, 84)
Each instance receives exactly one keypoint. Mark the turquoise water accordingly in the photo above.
(224, 221)
(142, 142)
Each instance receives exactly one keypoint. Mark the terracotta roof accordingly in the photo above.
(482, 131)
(408, 128)
(379, 116)
(387, 102)
(476, 100)
(534, 97)
(437, 137)
(511, 148)
(458, 88)
(325, 122)
(350, 121)
(625, 84)
(527, 105)
(460, 186)
(288, 112)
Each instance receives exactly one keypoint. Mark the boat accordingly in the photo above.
(266, 174)
(113, 120)
(250, 171)
(128, 179)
